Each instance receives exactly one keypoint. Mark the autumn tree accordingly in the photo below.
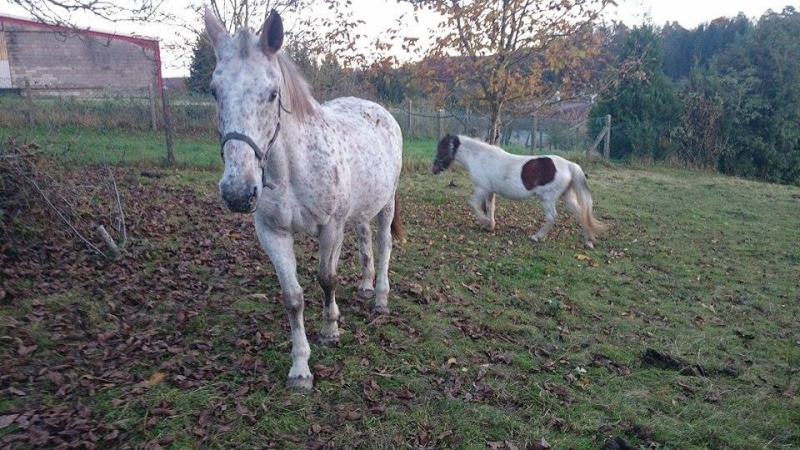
(509, 56)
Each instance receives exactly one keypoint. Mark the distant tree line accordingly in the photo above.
(723, 96)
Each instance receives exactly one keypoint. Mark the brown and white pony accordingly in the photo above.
(495, 171)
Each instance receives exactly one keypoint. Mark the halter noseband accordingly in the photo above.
(261, 155)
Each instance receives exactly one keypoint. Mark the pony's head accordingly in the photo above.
(246, 85)
(445, 153)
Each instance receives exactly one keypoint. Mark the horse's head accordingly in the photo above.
(445, 153)
(246, 85)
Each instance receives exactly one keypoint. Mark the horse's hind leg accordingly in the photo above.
(279, 248)
(366, 289)
(330, 246)
(549, 206)
(385, 217)
(574, 208)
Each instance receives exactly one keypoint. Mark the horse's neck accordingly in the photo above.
(287, 157)
(474, 154)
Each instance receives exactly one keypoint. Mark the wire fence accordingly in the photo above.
(537, 133)
(144, 109)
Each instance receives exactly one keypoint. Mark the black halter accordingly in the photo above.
(261, 155)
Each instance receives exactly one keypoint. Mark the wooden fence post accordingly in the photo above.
(151, 94)
(533, 132)
(167, 126)
(607, 144)
(30, 112)
(408, 117)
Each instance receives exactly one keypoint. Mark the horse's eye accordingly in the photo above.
(272, 96)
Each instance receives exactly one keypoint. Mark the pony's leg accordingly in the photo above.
(574, 208)
(366, 289)
(549, 206)
(478, 203)
(490, 209)
(385, 217)
(330, 246)
(279, 248)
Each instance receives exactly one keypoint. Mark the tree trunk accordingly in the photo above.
(494, 127)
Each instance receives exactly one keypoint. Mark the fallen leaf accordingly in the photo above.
(155, 378)
(7, 420)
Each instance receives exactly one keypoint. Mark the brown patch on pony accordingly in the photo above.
(538, 172)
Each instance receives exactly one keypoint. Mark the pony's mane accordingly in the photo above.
(296, 92)
(478, 144)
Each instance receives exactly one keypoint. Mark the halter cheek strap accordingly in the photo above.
(261, 155)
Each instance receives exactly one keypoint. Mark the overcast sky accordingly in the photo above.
(380, 15)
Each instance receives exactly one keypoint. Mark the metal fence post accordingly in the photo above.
(440, 123)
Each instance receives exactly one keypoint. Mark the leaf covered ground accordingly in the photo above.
(680, 330)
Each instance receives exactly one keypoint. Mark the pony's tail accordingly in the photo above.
(397, 224)
(581, 187)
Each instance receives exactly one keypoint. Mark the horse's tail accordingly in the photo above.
(397, 224)
(581, 187)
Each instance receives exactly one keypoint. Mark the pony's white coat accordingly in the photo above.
(328, 168)
(495, 171)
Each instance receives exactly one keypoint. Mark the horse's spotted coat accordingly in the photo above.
(332, 167)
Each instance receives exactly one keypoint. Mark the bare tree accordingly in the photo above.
(55, 11)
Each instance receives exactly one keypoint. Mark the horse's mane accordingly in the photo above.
(296, 92)
(478, 144)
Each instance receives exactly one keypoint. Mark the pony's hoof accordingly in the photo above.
(300, 384)
(381, 309)
(366, 293)
(536, 238)
(329, 341)
(589, 244)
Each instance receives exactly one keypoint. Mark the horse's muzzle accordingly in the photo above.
(241, 200)
(436, 168)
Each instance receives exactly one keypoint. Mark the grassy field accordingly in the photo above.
(681, 329)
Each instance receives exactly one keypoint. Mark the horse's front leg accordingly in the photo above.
(490, 209)
(279, 248)
(478, 204)
(330, 246)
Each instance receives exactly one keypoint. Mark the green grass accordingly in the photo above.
(491, 336)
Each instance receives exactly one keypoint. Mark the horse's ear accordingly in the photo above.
(272, 34)
(216, 31)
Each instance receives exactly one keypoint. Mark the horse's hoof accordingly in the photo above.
(329, 341)
(366, 293)
(535, 239)
(300, 384)
(589, 245)
(381, 309)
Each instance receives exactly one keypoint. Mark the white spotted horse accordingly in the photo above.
(301, 166)
(495, 171)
